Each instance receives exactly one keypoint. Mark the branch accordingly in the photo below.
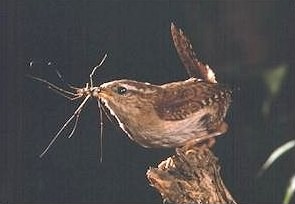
(190, 176)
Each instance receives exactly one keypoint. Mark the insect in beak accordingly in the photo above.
(87, 92)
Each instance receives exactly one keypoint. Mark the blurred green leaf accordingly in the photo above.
(276, 154)
(290, 191)
(273, 80)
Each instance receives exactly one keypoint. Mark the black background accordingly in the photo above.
(240, 40)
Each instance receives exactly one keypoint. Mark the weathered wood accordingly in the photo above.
(190, 176)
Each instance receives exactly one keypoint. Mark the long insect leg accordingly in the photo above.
(77, 111)
(59, 90)
(75, 125)
(95, 68)
(101, 130)
(107, 114)
(72, 98)
(63, 81)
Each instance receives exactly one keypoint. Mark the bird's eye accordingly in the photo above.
(121, 90)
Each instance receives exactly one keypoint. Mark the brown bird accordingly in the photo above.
(172, 114)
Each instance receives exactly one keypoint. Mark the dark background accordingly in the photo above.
(241, 40)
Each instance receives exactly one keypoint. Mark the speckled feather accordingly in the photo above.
(188, 57)
(189, 97)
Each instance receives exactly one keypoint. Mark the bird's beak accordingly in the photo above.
(101, 93)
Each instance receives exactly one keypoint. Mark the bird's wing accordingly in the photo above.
(180, 103)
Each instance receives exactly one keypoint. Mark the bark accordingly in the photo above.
(190, 176)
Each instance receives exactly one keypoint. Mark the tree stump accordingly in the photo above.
(190, 176)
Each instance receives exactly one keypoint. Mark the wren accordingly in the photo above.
(172, 114)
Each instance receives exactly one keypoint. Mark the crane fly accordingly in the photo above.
(87, 92)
